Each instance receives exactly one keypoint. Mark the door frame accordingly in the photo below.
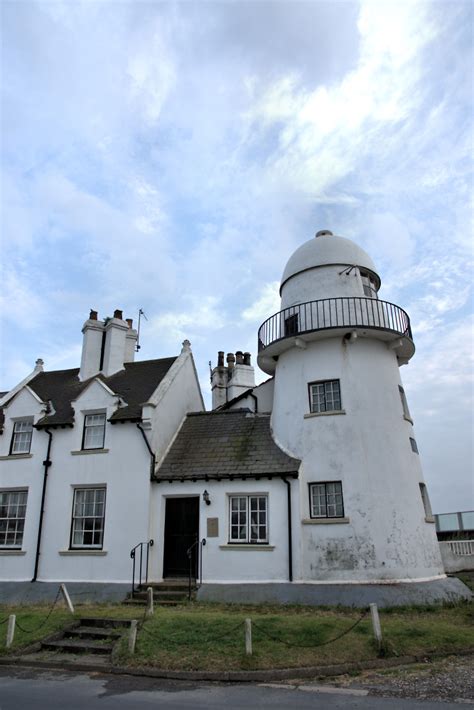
(165, 499)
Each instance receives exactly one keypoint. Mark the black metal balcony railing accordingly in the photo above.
(345, 312)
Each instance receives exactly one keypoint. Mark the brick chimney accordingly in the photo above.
(116, 330)
(219, 378)
(106, 345)
(93, 332)
(130, 341)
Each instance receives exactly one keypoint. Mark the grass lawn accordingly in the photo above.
(211, 636)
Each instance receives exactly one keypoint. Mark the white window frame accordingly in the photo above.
(426, 501)
(21, 436)
(323, 501)
(242, 508)
(94, 425)
(86, 521)
(13, 521)
(318, 405)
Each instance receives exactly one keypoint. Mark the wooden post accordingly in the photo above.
(248, 637)
(374, 614)
(132, 636)
(10, 630)
(67, 598)
(149, 602)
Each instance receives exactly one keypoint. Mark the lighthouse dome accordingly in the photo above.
(327, 250)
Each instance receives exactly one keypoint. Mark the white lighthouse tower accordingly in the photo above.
(335, 349)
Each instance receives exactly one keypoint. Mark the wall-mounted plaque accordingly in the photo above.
(213, 527)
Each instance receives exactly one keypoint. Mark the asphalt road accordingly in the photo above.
(27, 689)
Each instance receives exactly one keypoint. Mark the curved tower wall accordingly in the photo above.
(384, 534)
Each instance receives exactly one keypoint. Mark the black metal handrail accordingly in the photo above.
(133, 554)
(197, 563)
(343, 312)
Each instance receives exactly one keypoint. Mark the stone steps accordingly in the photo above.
(90, 636)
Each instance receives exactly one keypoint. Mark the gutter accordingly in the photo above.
(152, 455)
(290, 535)
(46, 463)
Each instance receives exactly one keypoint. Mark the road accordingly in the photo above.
(28, 689)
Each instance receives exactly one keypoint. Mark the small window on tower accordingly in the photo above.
(325, 500)
(368, 284)
(325, 396)
(426, 503)
(413, 445)
(406, 411)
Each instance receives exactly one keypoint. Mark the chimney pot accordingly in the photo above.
(230, 359)
(118, 314)
(130, 322)
(93, 315)
(239, 357)
(247, 357)
(220, 358)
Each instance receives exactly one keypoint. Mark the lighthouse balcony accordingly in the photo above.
(350, 316)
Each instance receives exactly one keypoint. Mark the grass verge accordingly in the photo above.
(211, 636)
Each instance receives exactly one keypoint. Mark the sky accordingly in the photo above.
(172, 156)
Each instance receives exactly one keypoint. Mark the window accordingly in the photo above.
(426, 501)
(94, 431)
(12, 517)
(326, 500)
(248, 519)
(369, 285)
(325, 396)
(406, 411)
(414, 446)
(21, 439)
(88, 515)
(291, 325)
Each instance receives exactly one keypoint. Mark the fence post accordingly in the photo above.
(67, 598)
(10, 630)
(149, 602)
(248, 637)
(374, 614)
(132, 636)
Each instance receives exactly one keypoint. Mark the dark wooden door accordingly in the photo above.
(181, 531)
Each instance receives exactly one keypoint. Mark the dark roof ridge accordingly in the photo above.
(220, 412)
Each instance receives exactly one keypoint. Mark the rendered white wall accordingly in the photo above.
(222, 562)
(368, 449)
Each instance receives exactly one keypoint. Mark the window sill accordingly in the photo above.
(310, 415)
(247, 546)
(408, 419)
(429, 519)
(325, 521)
(6, 552)
(96, 553)
(10, 457)
(81, 452)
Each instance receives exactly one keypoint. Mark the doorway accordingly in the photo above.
(181, 531)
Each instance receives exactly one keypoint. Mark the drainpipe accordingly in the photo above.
(46, 463)
(152, 462)
(290, 537)
(256, 402)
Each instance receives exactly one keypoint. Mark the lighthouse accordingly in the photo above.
(335, 350)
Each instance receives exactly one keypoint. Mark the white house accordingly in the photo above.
(305, 488)
(77, 452)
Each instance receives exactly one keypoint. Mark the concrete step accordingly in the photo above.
(104, 623)
(163, 594)
(93, 632)
(78, 646)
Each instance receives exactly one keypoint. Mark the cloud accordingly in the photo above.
(266, 304)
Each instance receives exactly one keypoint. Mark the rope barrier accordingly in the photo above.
(4, 621)
(29, 631)
(312, 645)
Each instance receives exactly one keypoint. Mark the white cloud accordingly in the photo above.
(266, 304)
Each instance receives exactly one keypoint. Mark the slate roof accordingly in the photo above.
(135, 384)
(224, 445)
